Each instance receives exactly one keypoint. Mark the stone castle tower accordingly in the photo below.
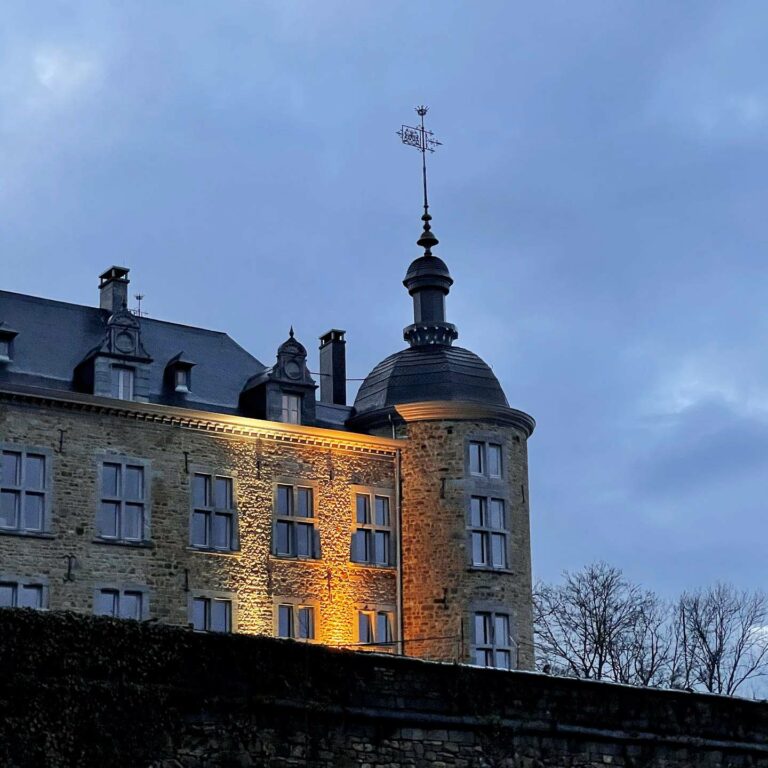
(465, 589)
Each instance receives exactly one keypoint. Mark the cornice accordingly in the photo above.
(457, 410)
(205, 421)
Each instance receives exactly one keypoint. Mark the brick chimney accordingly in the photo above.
(333, 368)
(113, 289)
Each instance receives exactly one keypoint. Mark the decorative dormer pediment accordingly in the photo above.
(123, 337)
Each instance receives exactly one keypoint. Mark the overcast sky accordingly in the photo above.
(599, 198)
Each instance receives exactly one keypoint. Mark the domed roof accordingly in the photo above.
(427, 265)
(424, 373)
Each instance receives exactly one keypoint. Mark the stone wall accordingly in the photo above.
(73, 561)
(84, 691)
(441, 589)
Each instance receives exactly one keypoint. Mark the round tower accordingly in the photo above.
(465, 578)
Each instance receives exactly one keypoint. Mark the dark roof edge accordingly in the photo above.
(444, 410)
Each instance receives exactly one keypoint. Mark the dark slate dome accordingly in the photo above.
(424, 373)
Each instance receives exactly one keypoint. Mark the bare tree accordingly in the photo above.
(721, 639)
(598, 625)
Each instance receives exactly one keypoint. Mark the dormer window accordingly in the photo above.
(123, 382)
(181, 381)
(291, 412)
(178, 375)
(6, 344)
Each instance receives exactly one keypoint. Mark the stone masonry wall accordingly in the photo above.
(441, 588)
(84, 691)
(166, 565)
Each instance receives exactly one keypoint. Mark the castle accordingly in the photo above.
(155, 471)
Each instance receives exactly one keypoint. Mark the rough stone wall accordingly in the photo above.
(83, 691)
(166, 565)
(441, 589)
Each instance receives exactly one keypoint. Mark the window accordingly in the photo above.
(213, 512)
(487, 519)
(15, 594)
(181, 380)
(120, 603)
(211, 614)
(296, 621)
(123, 379)
(493, 642)
(291, 413)
(5, 350)
(375, 627)
(23, 489)
(122, 513)
(485, 459)
(294, 533)
(372, 541)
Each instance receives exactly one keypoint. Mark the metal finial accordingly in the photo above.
(290, 333)
(424, 141)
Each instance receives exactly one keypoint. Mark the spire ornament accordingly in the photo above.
(425, 141)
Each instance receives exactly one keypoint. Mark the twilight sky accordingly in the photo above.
(600, 201)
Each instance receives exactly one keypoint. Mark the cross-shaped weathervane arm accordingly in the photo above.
(424, 141)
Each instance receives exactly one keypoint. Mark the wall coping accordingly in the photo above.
(457, 410)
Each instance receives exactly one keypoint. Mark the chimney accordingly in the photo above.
(333, 368)
(113, 289)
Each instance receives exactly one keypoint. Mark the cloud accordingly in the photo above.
(64, 73)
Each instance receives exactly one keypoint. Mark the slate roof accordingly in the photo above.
(424, 373)
(54, 336)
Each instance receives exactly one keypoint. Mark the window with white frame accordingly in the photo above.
(21, 594)
(23, 490)
(211, 614)
(372, 539)
(488, 531)
(120, 603)
(295, 534)
(123, 382)
(5, 349)
(296, 621)
(122, 511)
(493, 641)
(214, 518)
(375, 627)
(291, 409)
(485, 459)
(181, 378)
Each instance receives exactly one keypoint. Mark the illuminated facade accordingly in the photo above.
(159, 472)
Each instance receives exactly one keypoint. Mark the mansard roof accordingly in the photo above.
(53, 337)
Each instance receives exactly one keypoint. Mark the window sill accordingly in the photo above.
(26, 534)
(124, 543)
(213, 551)
(295, 558)
(488, 569)
(373, 566)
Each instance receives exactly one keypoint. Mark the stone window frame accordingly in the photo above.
(295, 603)
(122, 587)
(123, 460)
(513, 648)
(117, 381)
(213, 594)
(488, 487)
(485, 440)
(489, 532)
(29, 581)
(295, 483)
(372, 492)
(374, 609)
(27, 448)
(231, 474)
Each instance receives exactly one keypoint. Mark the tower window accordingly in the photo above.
(485, 459)
(372, 540)
(295, 534)
(488, 531)
(291, 410)
(493, 642)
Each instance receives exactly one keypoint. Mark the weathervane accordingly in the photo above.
(424, 141)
